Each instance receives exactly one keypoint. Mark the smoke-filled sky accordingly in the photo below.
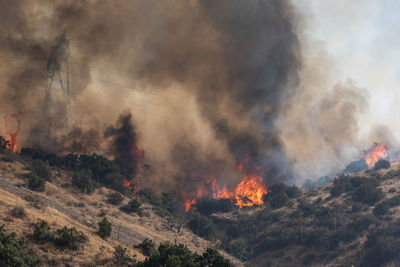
(298, 87)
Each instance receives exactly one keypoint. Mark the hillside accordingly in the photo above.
(62, 204)
(352, 221)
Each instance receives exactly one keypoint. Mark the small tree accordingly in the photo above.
(105, 228)
(35, 182)
(69, 238)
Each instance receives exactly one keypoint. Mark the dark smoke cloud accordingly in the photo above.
(237, 59)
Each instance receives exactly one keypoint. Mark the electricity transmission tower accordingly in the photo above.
(58, 69)
(57, 105)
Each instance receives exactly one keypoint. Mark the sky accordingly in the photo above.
(361, 37)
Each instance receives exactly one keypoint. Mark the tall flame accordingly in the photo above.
(376, 153)
(12, 133)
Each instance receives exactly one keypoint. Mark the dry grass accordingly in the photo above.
(61, 204)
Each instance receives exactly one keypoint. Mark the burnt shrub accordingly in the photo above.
(382, 164)
(202, 226)
(132, 206)
(208, 206)
(147, 247)
(35, 182)
(115, 198)
(367, 193)
(105, 228)
(69, 238)
(83, 181)
(41, 232)
(14, 251)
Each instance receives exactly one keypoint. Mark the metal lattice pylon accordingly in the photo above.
(58, 72)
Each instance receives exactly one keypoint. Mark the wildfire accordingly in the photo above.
(130, 184)
(12, 133)
(375, 153)
(249, 192)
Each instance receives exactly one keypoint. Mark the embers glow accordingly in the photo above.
(12, 133)
(130, 184)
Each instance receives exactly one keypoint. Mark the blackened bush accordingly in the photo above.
(69, 238)
(202, 226)
(115, 198)
(147, 247)
(105, 228)
(367, 193)
(132, 206)
(42, 169)
(14, 252)
(381, 209)
(83, 180)
(35, 182)
(208, 206)
(42, 233)
(382, 164)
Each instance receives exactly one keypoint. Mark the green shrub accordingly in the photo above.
(367, 193)
(121, 257)
(202, 226)
(115, 198)
(132, 206)
(36, 183)
(179, 255)
(150, 197)
(105, 228)
(278, 201)
(69, 238)
(14, 252)
(42, 232)
(83, 180)
(381, 209)
(18, 212)
(147, 247)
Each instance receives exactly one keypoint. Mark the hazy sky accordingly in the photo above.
(362, 37)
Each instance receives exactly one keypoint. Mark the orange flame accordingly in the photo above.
(12, 134)
(376, 153)
(249, 192)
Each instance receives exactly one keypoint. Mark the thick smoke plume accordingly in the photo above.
(206, 80)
